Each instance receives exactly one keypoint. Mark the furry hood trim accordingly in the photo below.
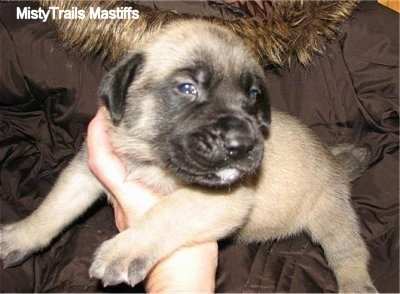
(276, 31)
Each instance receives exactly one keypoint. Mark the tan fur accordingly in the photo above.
(301, 185)
(289, 30)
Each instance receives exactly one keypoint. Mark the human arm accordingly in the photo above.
(190, 269)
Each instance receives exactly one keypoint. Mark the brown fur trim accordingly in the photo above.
(293, 29)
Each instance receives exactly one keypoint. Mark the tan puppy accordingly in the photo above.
(190, 116)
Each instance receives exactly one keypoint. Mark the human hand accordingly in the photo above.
(189, 269)
(130, 199)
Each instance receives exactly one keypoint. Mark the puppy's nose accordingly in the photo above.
(237, 136)
(237, 143)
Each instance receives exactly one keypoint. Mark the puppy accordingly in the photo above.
(190, 116)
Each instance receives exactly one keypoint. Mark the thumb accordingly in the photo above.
(102, 161)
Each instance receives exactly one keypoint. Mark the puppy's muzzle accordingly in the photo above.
(216, 151)
(228, 139)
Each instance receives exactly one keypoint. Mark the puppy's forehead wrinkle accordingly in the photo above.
(177, 45)
(198, 70)
(206, 62)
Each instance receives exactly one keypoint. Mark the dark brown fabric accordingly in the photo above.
(347, 94)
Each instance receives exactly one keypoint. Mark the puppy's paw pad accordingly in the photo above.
(138, 269)
(14, 258)
(367, 288)
(12, 251)
(110, 275)
(120, 271)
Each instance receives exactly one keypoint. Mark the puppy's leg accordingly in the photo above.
(75, 190)
(336, 229)
(182, 218)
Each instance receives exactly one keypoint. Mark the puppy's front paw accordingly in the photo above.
(118, 262)
(15, 246)
(367, 287)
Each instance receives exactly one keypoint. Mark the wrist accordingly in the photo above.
(189, 269)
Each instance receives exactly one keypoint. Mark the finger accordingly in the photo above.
(103, 162)
(120, 218)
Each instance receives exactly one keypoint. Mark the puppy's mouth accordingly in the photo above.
(193, 170)
(219, 178)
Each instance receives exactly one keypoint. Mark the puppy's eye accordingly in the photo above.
(254, 94)
(188, 89)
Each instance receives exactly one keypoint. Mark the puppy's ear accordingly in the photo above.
(115, 85)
